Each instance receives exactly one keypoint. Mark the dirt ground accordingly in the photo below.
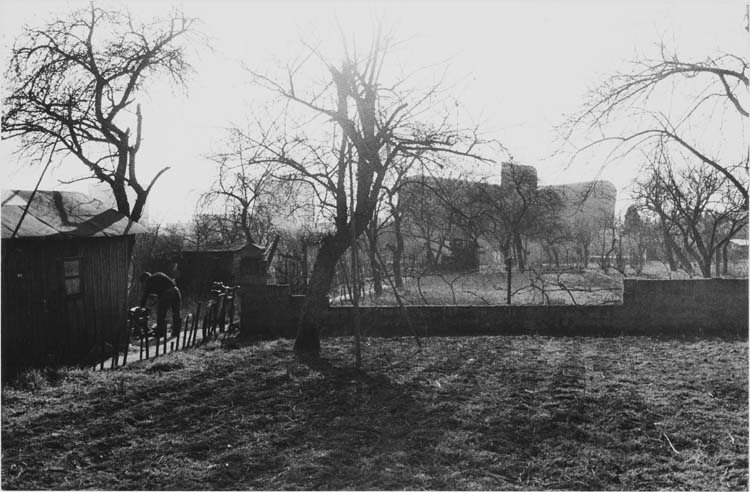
(463, 413)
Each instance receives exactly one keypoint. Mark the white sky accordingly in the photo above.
(518, 67)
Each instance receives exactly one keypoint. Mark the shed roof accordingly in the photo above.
(231, 248)
(60, 215)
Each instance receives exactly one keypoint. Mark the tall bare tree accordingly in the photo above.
(72, 85)
(358, 121)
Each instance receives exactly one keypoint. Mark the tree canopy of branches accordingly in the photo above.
(516, 211)
(350, 130)
(248, 188)
(699, 207)
(71, 86)
(678, 103)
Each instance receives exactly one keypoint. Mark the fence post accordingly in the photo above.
(127, 345)
(116, 349)
(185, 330)
(146, 337)
(205, 326)
(196, 320)
(115, 352)
(101, 354)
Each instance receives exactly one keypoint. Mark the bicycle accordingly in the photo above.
(222, 309)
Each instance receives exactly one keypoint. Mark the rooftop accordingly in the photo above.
(61, 215)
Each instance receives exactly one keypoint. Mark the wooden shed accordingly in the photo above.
(64, 278)
(197, 269)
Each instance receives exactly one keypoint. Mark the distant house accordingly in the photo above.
(737, 249)
(64, 278)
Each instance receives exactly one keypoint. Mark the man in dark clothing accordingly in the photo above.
(169, 298)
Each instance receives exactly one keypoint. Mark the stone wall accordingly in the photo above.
(267, 310)
(713, 307)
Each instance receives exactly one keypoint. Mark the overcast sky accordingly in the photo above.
(517, 67)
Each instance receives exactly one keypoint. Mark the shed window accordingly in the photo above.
(72, 275)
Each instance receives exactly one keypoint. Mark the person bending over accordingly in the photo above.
(168, 294)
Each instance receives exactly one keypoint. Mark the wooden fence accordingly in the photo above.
(218, 320)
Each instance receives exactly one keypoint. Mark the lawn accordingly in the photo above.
(462, 413)
(490, 286)
(474, 288)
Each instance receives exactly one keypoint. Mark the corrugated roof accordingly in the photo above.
(62, 214)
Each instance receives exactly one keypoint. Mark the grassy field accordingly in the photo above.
(565, 286)
(472, 288)
(461, 413)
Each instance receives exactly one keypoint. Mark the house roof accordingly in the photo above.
(61, 215)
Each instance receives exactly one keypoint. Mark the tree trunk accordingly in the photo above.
(683, 259)
(315, 304)
(725, 257)
(377, 282)
(669, 246)
(398, 253)
(520, 261)
(140, 203)
(717, 259)
(585, 248)
(430, 256)
(304, 264)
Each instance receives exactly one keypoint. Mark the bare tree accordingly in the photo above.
(396, 208)
(513, 212)
(213, 230)
(73, 83)
(696, 91)
(638, 233)
(355, 122)
(548, 228)
(440, 213)
(247, 187)
(702, 204)
(609, 242)
(653, 197)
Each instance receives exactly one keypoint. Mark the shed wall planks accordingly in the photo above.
(40, 323)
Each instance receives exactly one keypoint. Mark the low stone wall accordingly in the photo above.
(712, 307)
(267, 310)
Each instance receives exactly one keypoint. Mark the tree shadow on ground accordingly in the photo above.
(463, 414)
